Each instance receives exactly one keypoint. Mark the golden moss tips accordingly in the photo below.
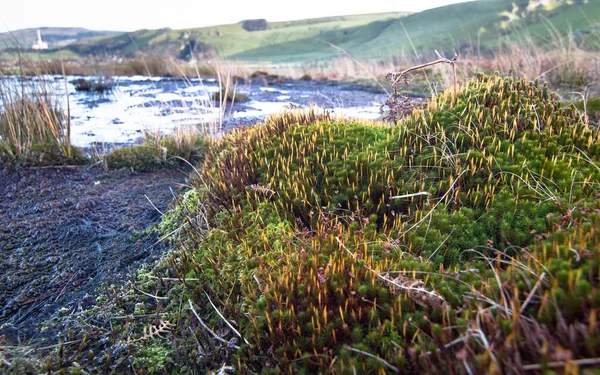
(313, 221)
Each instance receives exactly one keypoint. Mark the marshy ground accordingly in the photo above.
(66, 231)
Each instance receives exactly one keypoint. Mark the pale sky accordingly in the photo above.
(129, 15)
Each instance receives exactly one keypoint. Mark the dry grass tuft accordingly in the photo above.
(31, 116)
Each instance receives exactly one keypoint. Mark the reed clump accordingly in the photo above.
(33, 126)
(461, 239)
(145, 65)
(187, 143)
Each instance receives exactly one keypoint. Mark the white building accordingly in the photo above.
(40, 44)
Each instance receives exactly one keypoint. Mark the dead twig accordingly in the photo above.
(400, 105)
(532, 293)
(402, 75)
(414, 288)
(411, 195)
(151, 295)
(225, 320)
(213, 334)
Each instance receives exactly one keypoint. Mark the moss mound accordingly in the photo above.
(157, 151)
(138, 157)
(435, 245)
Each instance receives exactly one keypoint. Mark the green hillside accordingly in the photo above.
(223, 40)
(449, 28)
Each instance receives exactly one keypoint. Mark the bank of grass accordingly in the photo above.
(566, 67)
(148, 65)
(371, 38)
(461, 240)
(563, 60)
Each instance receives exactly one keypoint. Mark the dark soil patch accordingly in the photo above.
(66, 231)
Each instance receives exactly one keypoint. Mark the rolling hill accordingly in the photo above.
(458, 27)
(223, 40)
(481, 25)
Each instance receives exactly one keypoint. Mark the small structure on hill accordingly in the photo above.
(255, 25)
(39, 44)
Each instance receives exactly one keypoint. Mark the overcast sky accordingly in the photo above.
(129, 15)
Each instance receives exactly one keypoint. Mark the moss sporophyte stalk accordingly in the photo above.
(435, 244)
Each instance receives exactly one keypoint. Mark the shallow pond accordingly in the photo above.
(141, 103)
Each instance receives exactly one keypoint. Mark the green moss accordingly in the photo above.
(188, 204)
(138, 157)
(153, 357)
(185, 146)
(307, 216)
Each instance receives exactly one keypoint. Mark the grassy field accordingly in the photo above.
(11, 57)
(477, 26)
(472, 26)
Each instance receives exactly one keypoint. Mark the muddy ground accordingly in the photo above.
(64, 232)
